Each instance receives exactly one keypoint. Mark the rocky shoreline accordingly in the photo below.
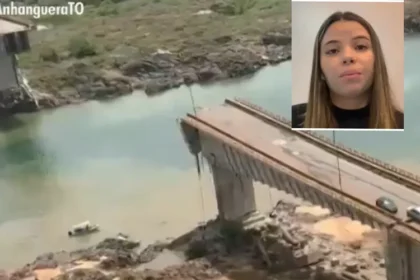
(284, 247)
(154, 74)
(160, 71)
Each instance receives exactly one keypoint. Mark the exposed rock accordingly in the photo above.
(375, 255)
(117, 244)
(227, 249)
(356, 244)
(190, 78)
(412, 17)
(21, 273)
(239, 62)
(322, 270)
(352, 267)
(223, 39)
(161, 84)
(223, 7)
(16, 100)
(349, 276)
(48, 101)
(326, 251)
(83, 274)
(276, 38)
(275, 54)
(209, 73)
(307, 256)
(120, 259)
(334, 261)
(155, 63)
(45, 261)
(412, 24)
(92, 83)
(151, 252)
(382, 263)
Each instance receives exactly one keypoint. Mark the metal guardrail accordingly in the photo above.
(409, 230)
(397, 174)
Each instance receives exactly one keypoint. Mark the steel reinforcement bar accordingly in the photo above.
(407, 229)
(379, 167)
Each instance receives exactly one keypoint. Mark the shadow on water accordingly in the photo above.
(30, 195)
(20, 145)
(10, 123)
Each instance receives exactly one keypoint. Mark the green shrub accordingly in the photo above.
(241, 6)
(233, 7)
(49, 54)
(54, 19)
(107, 8)
(80, 47)
(95, 3)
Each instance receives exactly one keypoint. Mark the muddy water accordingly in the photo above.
(123, 164)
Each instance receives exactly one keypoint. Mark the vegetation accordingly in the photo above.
(241, 6)
(80, 47)
(109, 28)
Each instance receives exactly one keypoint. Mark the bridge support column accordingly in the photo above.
(235, 197)
(397, 257)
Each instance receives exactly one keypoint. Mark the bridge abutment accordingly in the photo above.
(235, 197)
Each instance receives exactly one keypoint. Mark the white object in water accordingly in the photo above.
(122, 236)
(83, 228)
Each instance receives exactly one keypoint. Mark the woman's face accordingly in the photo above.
(347, 59)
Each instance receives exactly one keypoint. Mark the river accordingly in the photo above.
(123, 163)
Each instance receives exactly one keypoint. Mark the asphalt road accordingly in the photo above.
(295, 152)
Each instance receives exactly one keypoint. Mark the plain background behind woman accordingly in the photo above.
(388, 24)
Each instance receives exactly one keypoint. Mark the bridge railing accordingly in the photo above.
(337, 146)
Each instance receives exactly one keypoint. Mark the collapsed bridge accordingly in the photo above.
(243, 143)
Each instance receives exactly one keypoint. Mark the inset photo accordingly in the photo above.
(348, 65)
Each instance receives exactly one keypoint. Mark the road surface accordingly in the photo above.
(294, 151)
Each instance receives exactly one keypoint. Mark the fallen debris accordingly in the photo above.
(285, 247)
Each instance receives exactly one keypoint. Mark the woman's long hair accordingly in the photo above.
(319, 110)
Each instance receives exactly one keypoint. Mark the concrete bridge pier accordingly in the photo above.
(235, 197)
(395, 257)
(234, 192)
(402, 255)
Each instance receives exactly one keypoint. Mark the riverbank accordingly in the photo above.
(412, 16)
(295, 242)
(155, 46)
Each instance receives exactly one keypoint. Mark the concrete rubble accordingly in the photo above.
(283, 248)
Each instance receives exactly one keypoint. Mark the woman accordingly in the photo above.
(349, 85)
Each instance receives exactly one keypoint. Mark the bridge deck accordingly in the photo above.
(297, 153)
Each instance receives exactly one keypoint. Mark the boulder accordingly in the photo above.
(276, 38)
